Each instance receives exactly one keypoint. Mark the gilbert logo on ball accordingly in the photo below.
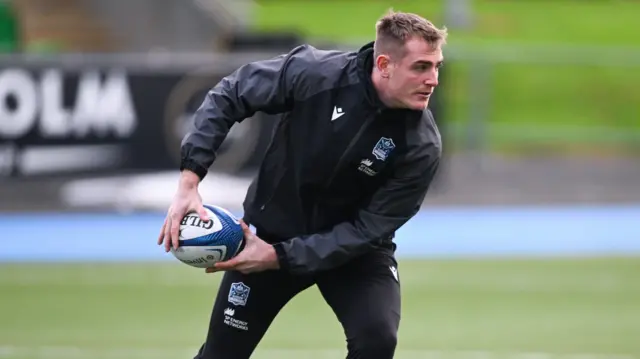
(203, 244)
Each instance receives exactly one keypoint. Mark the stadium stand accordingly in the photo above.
(60, 26)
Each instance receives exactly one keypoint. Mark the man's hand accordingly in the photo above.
(257, 256)
(186, 199)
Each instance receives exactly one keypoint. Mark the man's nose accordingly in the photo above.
(431, 79)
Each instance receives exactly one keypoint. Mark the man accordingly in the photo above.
(350, 161)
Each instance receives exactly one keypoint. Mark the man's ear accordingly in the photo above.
(383, 64)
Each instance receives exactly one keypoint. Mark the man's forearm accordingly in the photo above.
(189, 179)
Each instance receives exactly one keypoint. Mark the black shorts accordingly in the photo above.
(364, 294)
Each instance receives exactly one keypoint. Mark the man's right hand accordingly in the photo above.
(186, 200)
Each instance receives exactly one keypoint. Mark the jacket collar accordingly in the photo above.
(365, 67)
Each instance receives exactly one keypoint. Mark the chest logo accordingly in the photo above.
(337, 113)
(383, 148)
(365, 167)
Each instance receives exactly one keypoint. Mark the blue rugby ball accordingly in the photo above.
(203, 244)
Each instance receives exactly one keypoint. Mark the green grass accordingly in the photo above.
(564, 108)
(450, 309)
(573, 106)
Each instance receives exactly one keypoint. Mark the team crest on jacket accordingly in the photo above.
(383, 148)
(238, 294)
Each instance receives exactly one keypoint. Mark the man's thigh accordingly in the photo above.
(365, 296)
(244, 308)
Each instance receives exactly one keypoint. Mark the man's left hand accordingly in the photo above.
(257, 256)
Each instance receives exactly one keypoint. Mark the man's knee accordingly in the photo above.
(373, 340)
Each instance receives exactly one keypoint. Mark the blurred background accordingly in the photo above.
(527, 244)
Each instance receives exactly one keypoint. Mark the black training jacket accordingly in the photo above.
(342, 173)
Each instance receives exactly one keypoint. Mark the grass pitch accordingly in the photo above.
(451, 309)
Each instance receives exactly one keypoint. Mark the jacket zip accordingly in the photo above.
(349, 147)
(277, 183)
(314, 213)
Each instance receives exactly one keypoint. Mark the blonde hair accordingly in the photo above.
(395, 28)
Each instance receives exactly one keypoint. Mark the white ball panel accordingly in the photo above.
(224, 210)
(200, 256)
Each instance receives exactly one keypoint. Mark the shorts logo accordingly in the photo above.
(233, 322)
(394, 271)
(383, 148)
(238, 294)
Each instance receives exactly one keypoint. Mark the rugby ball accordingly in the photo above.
(203, 244)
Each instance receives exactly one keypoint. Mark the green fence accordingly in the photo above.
(8, 28)
(524, 76)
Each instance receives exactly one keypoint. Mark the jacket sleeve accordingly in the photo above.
(391, 206)
(266, 86)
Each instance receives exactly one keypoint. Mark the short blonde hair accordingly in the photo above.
(395, 28)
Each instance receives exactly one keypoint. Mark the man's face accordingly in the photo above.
(413, 77)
